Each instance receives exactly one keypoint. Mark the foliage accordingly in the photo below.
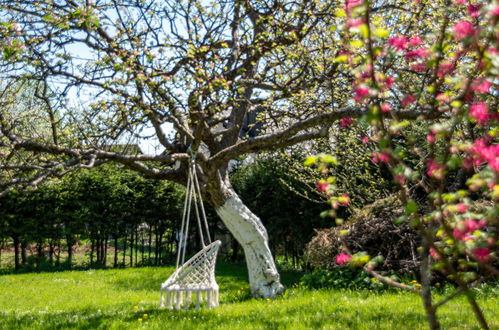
(119, 298)
(94, 206)
(341, 278)
(289, 218)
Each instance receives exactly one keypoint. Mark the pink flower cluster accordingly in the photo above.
(343, 258)
(465, 228)
(345, 122)
(322, 186)
(381, 157)
(464, 30)
(483, 153)
(480, 112)
(435, 170)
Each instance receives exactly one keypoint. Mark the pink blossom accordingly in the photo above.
(481, 86)
(351, 4)
(415, 41)
(343, 258)
(386, 107)
(434, 254)
(400, 179)
(460, 235)
(470, 225)
(445, 69)
(461, 2)
(388, 82)
(399, 43)
(384, 157)
(443, 98)
(430, 138)
(365, 140)
(419, 67)
(354, 22)
(494, 11)
(486, 153)
(361, 93)
(473, 10)
(462, 208)
(434, 169)
(480, 112)
(322, 186)
(481, 254)
(463, 30)
(420, 52)
(345, 122)
(344, 200)
(408, 100)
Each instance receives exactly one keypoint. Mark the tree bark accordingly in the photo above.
(249, 231)
(16, 252)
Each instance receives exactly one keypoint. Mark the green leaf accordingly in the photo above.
(411, 207)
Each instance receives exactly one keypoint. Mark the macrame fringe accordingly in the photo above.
(182, 299)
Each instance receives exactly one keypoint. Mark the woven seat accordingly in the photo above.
(196, 276)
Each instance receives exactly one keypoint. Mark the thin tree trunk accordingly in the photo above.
(431, 312)
(24, 257)
(143, 248)
(124, 250)
(136, 246)
(51, 252)
(150, 244)
(131, 248)
(16, 252)
(104, 250)
(69, 242)
(58, 255)
(91, 251)
(115, 264)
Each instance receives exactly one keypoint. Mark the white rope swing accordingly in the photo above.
(197, 275)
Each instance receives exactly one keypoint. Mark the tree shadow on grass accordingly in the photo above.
(83, 319)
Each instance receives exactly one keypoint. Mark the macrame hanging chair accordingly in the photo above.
(193, 282)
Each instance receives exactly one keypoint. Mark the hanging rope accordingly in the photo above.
(192, 196)
(197, 275)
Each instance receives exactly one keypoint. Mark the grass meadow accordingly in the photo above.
(129, 299)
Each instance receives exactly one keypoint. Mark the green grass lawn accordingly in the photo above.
(116, 299)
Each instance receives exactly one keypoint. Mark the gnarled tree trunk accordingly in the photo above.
(249, 231)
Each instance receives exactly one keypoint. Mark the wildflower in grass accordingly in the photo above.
(145, 316)
(135, 308)
(139, 319)
(365, 140)
(343, 258)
